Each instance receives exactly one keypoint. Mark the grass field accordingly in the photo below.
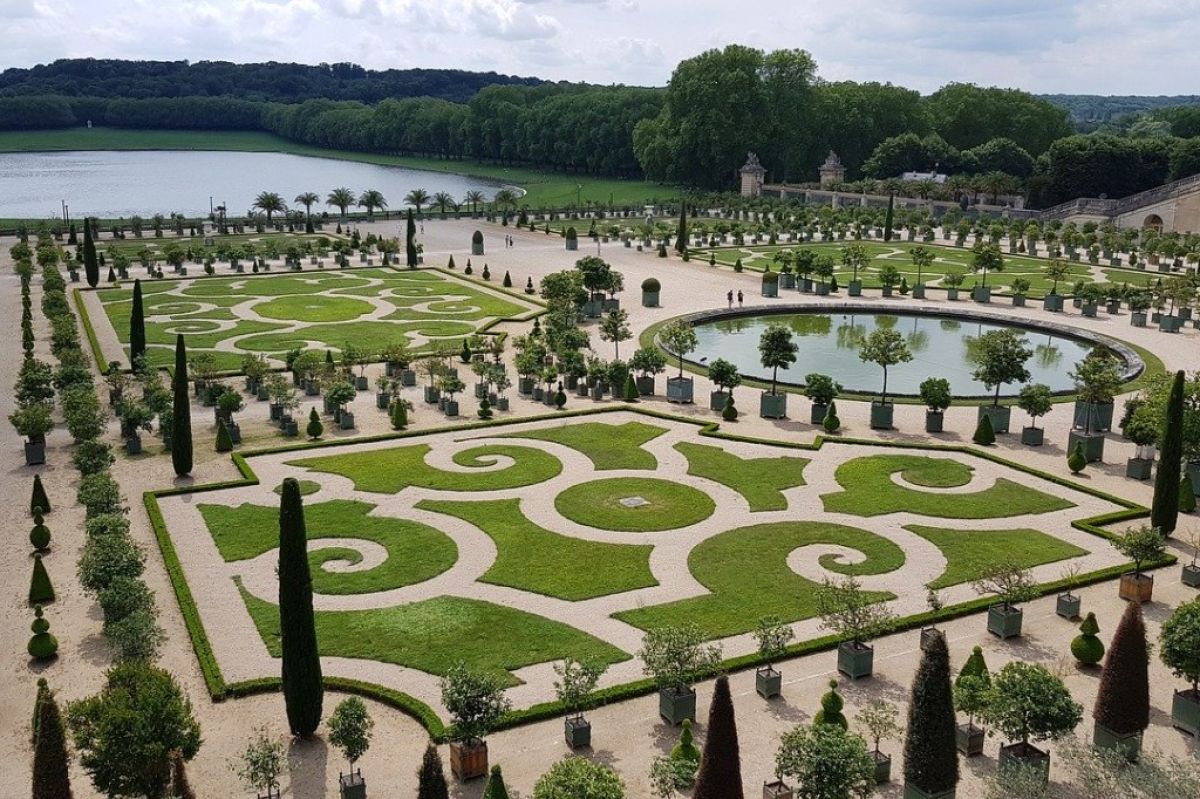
(607, 446)
(549, 189)
(669, 505)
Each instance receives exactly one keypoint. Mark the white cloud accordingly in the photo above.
(512, 21)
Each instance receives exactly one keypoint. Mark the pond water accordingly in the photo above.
(829, 343)
(145, 182)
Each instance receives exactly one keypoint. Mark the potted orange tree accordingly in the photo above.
(1011, 585)
(772, 636)
(856, 617)
(1028, 704)
(476, 702)
(576, 682)
(1139, 544)
(675, 657)
(1179, 650)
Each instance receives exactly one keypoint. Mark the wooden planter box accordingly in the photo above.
(969, 739)
(469, 760)
(855, 660)
(1128, 744)
(777, 790)
(578, 732)
(1185, 711)
(1027, 755)
(1068, 605)
(1004, 622)
(768, 682)
(674, 706)
(1136, 587)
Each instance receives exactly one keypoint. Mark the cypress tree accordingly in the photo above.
(930, 757)
(181, 413)
(1123, 699)
(682, 232)
(137, 325)
(889, 218)
(91, 266)
(720, 774)
(431, 779)
(301, 664)
(51, 766)
(495, 787)
(1187, 495)
(41, 592)
(410, 241)
(1164, 512)
(39, 498)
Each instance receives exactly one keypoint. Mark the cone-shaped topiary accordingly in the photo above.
(1123, 699)
(301, 665)
(181, 413)
(560, 398)
(39, 499)
(985, 434)
(42, 645)
(975, 666)
(51, 764)
(41, 592)
(686, 748)
(485, 274)
(1164, 510)
(631, 392)
(730, 412)
(315, 429)
(930, 757)
(465, 354)
(39, 536)
(224, 441)
(831, 708)
(91, 265)
(1087, 648)
(831, 422)
(1077, 460)
(137, 325)
(507, 282)
(431, 778)
(720, 774)
(112, 275)
(1187, 495)
(450, 264)
(399, 415)
(495, 787)
(737, 265)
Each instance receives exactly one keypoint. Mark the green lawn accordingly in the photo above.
(670, 505)
(608, 446)
(868, 490)
(746, 570)
(760, 480)
(386, 471)
(553, 189)
(970, 552)
(306, 487)
(416, 552)
(313, 309)
(531, 558)
(436, 634)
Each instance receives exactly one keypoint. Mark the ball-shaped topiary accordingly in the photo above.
(1077, 460)
(1087, 648)
(686, 749)
(42, 645)
(730, 412)
(651, 284)
(985, 433)
(486, 275)
(315, 429)
(831, 422)
(831, 708)
(39, 536)
(485, 409)
(477, 237)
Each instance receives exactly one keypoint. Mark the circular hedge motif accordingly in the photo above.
(302, 308)
(665, 505)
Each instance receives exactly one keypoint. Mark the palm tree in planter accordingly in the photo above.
(1002, 355)
(350, 728)
(935, 393)
(576, 683)
(308, 199)
(1011, 585)
(1179, 650)
(1029, 704)
(724, 376)
(1122, 709)
(821, 390)
(826, 761)
(879, 719)
(776, 348)
(1139, 544)
(985, 257)
(269, 203)
(1035, 399)
(922, 258)
(341, 198)
(971, 688)
(474, 197)
(855, 616)
(884, 347)
(418, 197)
(442, 199)
(647, 361)
(679, 338)
(773, 636)
(449, 384)
(675, 657)
(476, 702)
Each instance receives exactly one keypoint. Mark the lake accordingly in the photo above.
(123, 183)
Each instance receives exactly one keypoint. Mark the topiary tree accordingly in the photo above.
(776, 348)
(39, 499)
(476, 702)
(181, 415)
(261, 763)
(1028, 703)
(1035, 399)
(1140, 544)
(1087, 648)
(831, 708)
(1123, 698)
(930, 757)
(884, 348)
(300, 662)
(827, 762)
(630, 392)
(431, 777)
(1001, 355)
(39, 536)
(1164, 510)
(579, 778)
(971, 686)
(831, 422)
(935, 393)
(350, 728)
(41, 591)
(1077, 460)
(675, 657)
(315, 429)
(224, 440)
(720, 774)
(685, 748)
(51, 762)
(1008, 581)
(399, 414)
(730, 412)
(985, 434)
(495, 787)
(42, 644)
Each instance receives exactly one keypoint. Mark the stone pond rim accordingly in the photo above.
(1133, 365)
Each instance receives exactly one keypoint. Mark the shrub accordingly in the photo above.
(935, 393)
(82, 412)
(38, 499)
(135, 637)
(1179, 643)
(579, 778)
(431, 777)
(224, 440)
(41, 591)
(1087, 648)
(685, 748)
(831, 423)
(107, 557)
(831, 708)
(1123, 698)
(827, 761)
(105, 524)
(99, 493)
(399, 414)
(1077, 460)
(1187, 495)
(1027, 702)
(730, 412)
(39, 536)
(675, 657)
(42, 644)
(821, 389)
(630, 391)
(651, 285)
(315, 429)
(92, 456)
(985, 434)
(123, 596)
(475, 700)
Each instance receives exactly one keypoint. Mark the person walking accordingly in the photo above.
(729, 298)
(740, 298)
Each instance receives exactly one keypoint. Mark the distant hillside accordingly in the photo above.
(1093, 109)
(271, 81)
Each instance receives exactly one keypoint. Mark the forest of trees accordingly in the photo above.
(694, 132)
(1090, 110)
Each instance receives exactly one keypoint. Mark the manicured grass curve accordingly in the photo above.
(760, 480)
(970, 552)
(597, 503)
(608, 446)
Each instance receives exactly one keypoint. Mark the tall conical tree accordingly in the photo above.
(41, 591)
(51, 766)
(1164, 512)
(137, 325)
(39, 499)
(889, 219)
(181, 413)
(1123, 699)
(91, 266)
(930, 757)
(410, 241)
(681, 233)
(720, 774)
(301, 663)
(431, 778)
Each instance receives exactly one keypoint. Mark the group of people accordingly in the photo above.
(508, 242)
(729, 298)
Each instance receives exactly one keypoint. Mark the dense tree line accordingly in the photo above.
(272, 81)
(1096, 165)
(1089, 110)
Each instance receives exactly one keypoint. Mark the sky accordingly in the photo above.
(1042, 46)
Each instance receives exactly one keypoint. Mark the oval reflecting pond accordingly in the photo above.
(111, 184)
(829, 344)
